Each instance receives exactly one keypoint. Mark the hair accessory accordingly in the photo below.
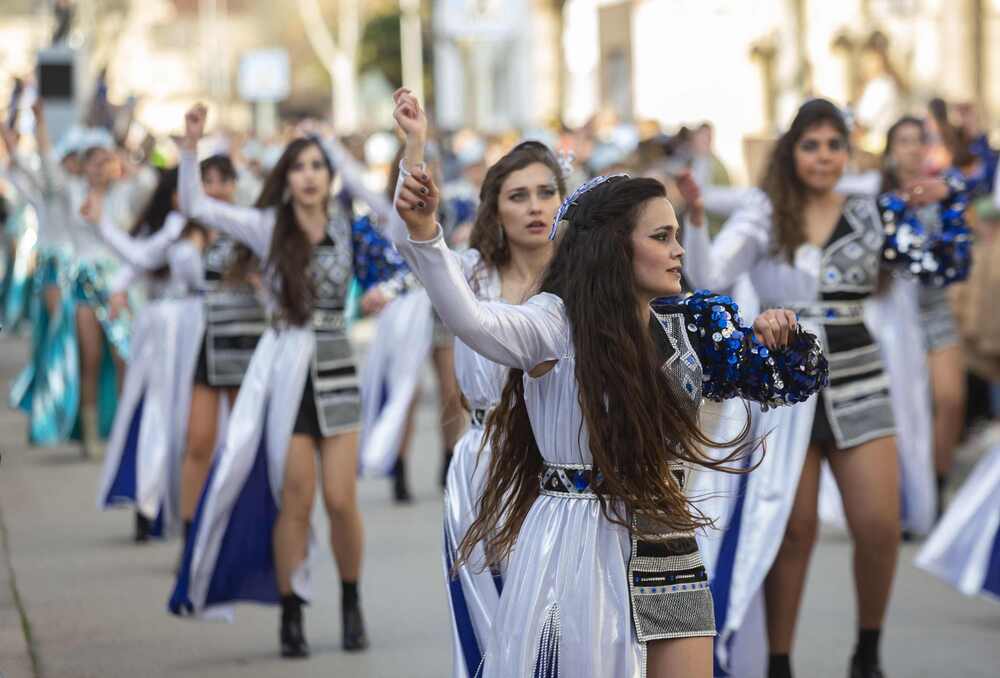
(566, 160)
(565, 213)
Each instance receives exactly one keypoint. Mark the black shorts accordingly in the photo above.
(307, 418)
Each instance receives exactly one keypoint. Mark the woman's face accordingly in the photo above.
(218, 186)
(820, 157)
(909, 149)
(309, 179)
(99, 167)
(657, 253)
(528, 201)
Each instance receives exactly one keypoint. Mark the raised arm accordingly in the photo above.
(522, 336)
(352, 174)
(145, 254)
(251, 226)
(936, 257)
(54, 179)
(736, 363)
(743, 241)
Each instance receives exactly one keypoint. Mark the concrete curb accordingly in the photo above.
(17, 656)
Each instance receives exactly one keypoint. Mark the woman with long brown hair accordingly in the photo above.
(596, 427)
(234, 320)
(509, 249)
(809, 247)
(299, 399)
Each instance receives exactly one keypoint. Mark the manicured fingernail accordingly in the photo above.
(423, 189)
(424, 177)
(421, 204)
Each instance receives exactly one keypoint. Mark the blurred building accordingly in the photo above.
(746, 66)
(496, 63)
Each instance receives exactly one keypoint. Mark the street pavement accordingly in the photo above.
(93, 602)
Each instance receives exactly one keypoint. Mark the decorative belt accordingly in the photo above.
(322, 321)
(835, 312)
(572, 481)
(477, 418)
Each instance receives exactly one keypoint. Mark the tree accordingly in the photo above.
(340, 56)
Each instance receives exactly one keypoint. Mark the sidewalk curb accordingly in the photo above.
(18, 615)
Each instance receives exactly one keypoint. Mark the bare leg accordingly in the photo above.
(89, 338)
(868, 478)
(291, 531)
(679, 658)
(408, 426)
(340, 470)
(340, 464)
(786, 580)
(948, 386)
(201, 436)
(90, 341)
(52, 299)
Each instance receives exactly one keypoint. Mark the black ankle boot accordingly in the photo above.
(293, 633)
(861, 670)
(355, 637)
(400, 485)
(142, 528)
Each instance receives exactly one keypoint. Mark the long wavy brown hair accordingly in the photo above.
(782, 183)
(635, 422)
(291, 251)
(486, 236)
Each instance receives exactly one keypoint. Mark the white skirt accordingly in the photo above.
(390, 377)
(473, 591)
(229, 557)
(964, 549)
(144, 452)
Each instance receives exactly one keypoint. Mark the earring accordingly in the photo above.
(501, 236)
(286, 195)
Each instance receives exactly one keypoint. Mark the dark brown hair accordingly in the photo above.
(890, 180)
(291, 251)
(485, 236)
(782, 183)
(636, 423)
(954, 138)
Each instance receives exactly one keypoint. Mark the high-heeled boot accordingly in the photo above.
(293, 632)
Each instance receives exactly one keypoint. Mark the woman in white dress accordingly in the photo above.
(809, 247)
(597, 426)
(299, 401)
(509, 250)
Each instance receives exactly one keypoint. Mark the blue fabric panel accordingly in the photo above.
(463, 621)
(122, 489)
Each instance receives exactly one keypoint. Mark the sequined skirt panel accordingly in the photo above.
(937, 319)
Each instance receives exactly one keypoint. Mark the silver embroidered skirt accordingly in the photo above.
(937, 319)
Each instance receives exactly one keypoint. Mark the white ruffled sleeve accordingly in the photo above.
(744, 240)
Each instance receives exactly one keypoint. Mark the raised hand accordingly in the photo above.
(925, 192)
(417, 204)
(92, 206)
(775, 328)
(409, 115)
(691, 193)
(194, 127)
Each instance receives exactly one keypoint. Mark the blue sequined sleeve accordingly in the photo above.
(736, 365)
(936, 259)
(376, 259)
